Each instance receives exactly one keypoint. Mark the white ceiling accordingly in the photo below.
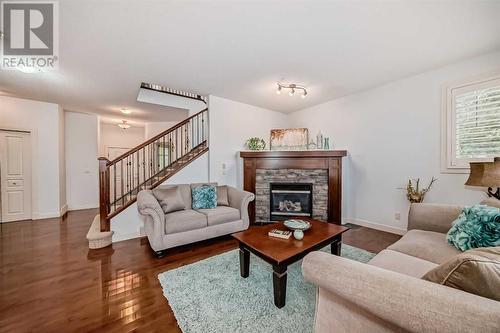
(239, 49)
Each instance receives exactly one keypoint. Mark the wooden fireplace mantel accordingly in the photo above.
(292, 153)
(330, 160)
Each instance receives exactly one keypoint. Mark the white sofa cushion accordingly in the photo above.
(402, 263)
(184, 220)
(220, 214)
(428, 245)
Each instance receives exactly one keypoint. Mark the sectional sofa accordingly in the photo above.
(389, 295)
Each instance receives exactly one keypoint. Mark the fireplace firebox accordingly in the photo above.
(290, 200)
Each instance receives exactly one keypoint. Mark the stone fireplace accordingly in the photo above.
(291, 185)
(321, 169)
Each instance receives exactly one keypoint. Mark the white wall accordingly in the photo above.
(231, 124)
(44, 122)
(195, 172)
(152, 129)
(192, 106)
(82, 167)
(113, 136)
(392, 132)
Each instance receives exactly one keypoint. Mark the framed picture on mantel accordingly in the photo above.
(289, 139)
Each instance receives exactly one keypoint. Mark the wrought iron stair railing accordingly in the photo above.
(149, 164)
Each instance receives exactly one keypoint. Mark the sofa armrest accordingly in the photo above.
(397, 300)
(240, 199)
(149, 206)
(432, 217)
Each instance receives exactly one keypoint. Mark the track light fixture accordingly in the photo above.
(293, 87)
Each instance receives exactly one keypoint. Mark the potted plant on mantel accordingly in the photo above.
(256, 144)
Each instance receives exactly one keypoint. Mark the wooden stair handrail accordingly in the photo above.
(160, 181)
(153, 139)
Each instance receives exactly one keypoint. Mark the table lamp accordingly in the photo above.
(486, 174)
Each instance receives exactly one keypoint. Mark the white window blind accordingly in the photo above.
(477, 123)
(470, 123)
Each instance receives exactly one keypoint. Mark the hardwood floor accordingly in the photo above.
(52, 282)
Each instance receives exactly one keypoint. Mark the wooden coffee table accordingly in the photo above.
(282, 252)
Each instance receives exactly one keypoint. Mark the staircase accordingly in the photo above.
(152, 162)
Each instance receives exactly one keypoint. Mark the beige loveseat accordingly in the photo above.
(186, 226)
(388, 294)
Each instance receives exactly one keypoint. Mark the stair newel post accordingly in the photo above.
(104, 193)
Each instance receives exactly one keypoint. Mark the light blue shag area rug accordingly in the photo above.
(211, 296)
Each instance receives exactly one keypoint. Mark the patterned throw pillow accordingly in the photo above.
(204, 197)
(477, 226)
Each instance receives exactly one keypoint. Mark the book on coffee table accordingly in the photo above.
(285, 234)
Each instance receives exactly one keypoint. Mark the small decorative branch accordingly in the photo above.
(413, 192)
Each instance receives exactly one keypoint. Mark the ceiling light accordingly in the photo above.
(124, 124)
(126, 111)
(293, 87)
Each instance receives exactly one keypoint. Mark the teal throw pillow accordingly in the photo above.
(477, 226)
(204, 197)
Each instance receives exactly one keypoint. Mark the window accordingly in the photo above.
(471, 124)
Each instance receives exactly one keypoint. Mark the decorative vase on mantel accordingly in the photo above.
(326, 146)
(311, 145)
(319, 140)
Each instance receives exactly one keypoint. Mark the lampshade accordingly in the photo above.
(485, 174)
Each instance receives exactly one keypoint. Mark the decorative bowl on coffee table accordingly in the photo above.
(298, 227)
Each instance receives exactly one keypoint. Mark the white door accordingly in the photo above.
(15, 175)
(114, 152)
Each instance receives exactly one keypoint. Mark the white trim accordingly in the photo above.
(38, 216)
(85, 206)
(34, 167)
(106, 150)
(63, 210)
(449, 164)
(123, 237)
(376, 226)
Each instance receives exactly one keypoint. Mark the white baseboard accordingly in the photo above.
(122, 237)
(376, 226)
(63, 210)
(84, 206)
(50, 215)
(41, 216)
